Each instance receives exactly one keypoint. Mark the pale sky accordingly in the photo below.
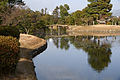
(74, 4)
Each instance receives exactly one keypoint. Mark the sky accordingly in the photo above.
(74, 5)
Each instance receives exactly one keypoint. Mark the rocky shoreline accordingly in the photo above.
(30, 46)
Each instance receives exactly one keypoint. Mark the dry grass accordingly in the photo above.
(95, 30)
(94, 27)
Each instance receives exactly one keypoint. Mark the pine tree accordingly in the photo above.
(99, 9)
(64, 12)
(56, 14)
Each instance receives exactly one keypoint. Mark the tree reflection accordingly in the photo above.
(98, 53)
(62, 43)
(98, 56)
(56, 42)
(79, 41)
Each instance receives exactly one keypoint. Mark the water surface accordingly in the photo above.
(79, 58)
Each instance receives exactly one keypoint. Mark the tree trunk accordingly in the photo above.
(75, 23)
(93, 22)
(27, 31)
(115, 23)
(112, 22)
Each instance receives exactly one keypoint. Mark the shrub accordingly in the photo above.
(108, 23)
(9, 31)
(9, 49)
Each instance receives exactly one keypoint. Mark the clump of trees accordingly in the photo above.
(28, 21)
(14, 13)
(96, 10)
(114, 20)
(9, 43)
(8, 9)
(99, 9)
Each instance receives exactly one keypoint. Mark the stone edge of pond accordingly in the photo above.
(25, 69)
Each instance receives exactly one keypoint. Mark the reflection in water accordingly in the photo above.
(62, 43)
(47, 31)
(56, 42)
(98, 53)
(57, 31)
(79, 58)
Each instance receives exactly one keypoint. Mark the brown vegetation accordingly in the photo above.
(95, 30)
(9, 54)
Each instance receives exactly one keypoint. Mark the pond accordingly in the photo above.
(79, 58)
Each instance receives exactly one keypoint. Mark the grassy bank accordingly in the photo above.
(94, 30)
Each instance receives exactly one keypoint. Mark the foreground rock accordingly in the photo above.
(25, 67)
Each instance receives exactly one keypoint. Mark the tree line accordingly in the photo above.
(15, 13)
